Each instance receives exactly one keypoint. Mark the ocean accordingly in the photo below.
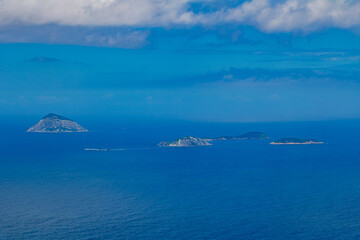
(50, 188)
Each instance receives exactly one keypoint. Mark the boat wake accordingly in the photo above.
(114, 149)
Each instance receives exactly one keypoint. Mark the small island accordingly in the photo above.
(246, 136)
(53, 123)
(289, 141)
(185, 142)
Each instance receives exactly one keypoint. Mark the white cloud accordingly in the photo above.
(267, 15)
(94, 12)
(297, 15)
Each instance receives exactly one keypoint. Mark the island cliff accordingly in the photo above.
(53, 123)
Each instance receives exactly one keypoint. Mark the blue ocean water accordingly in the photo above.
(50, 188)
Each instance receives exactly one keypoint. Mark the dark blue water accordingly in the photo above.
(51, 189)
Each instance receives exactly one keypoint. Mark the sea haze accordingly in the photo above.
(50, 188)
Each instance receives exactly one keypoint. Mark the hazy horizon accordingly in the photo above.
(239, 61)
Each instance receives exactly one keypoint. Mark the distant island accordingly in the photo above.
(185, 142)
(43, 59)
(53, 123)
(245, 136)
(295, 141)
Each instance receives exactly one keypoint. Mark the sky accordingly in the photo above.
(210, 60)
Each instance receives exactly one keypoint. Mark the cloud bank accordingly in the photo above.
(128, 23)
(266, 15)
(86, 36)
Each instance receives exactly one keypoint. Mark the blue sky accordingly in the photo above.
(237, 61)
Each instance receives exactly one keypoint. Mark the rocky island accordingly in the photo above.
(185, 142)
(195, 141)
(245, 136)
(53, 123)
(295, 141)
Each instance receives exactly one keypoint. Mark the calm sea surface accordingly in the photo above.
(50, 188)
